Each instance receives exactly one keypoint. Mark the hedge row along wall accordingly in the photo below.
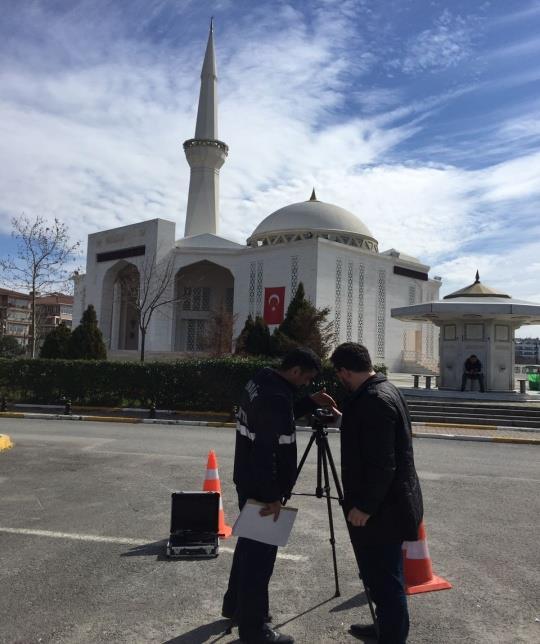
(197, 385)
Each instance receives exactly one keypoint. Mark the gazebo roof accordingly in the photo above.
(473, 302)
(476, 289)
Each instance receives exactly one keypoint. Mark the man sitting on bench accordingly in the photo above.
(472, 371)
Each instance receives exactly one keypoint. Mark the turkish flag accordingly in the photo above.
(274, 304)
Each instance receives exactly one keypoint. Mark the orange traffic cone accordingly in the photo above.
(419, 577)
(212, 484)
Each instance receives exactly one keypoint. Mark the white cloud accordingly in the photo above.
(444, 45)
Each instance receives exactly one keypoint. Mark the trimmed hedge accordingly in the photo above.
(196, 385)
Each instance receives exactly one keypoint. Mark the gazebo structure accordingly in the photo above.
(475, 320)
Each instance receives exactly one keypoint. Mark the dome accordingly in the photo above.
(313, 218)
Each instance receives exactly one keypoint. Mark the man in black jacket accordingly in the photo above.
(472, 370)
(383, 500)
(265, 470)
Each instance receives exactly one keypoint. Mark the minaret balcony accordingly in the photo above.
(193, 143)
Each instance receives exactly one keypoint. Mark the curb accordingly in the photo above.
(203, 423)
(479, 439)
(5, 442)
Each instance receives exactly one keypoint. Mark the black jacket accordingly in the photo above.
(377, 464)
(475, 367)
(265, 455)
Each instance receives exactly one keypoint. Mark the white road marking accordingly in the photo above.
(126, 541)
(77, 537)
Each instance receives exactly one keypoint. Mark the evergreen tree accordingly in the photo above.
(304, 325)
(86, 342)
(255, 339)
(241, 340)
(56, 343)
(9, 347)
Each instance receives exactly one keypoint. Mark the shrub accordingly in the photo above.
(196, 385)
(86, 342)
(56, 343)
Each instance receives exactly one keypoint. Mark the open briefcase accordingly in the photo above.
(194, 525)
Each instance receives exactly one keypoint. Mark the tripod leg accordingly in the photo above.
(333, 469)
(330, 517)
(328, 454)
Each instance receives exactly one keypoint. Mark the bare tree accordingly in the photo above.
(148, 290)
(40, 264)
(218, 338)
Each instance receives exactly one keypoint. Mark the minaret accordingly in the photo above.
(205, 153)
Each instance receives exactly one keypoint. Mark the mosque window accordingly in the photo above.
(337, 314)
(294, 274)
(412, 295)
(196, 298)
(381, 314)
(229, 300)
(252, 289)
(349, 301)
(259, 287)
(361, 273)
(195, 335)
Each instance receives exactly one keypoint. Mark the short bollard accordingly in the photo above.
(67, 407)
(428, 382)
(152, 411)
(3, 404)
(416, 380)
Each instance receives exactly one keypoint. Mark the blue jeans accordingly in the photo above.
(381, 568)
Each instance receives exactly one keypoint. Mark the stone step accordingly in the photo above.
(501, 421)
(474, 410)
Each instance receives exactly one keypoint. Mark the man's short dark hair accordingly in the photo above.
(352, 356)
(301, 357)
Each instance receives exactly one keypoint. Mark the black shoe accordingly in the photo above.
(268, 636)
(364, 630)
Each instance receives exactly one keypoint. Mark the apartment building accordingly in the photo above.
(15, 315)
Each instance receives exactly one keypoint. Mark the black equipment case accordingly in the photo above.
(194, 525)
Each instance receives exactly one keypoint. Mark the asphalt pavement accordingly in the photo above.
(84, 515)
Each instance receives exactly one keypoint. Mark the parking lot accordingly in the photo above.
(84, 515)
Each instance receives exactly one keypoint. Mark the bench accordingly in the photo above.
(522, 385)
(428, 378)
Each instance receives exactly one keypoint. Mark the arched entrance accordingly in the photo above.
(119, 316)
(204, 294)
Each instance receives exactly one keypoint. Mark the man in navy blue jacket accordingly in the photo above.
(265, 470)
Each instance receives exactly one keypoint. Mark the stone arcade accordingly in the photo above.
(322, 245)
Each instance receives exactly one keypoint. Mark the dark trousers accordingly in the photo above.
(381, 568)
(475, 376)
(247, 593)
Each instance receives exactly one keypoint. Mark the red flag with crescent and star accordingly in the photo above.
(274, 304)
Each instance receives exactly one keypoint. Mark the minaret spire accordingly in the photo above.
(207, 127)
(205, 153)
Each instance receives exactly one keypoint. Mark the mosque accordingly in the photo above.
(322, 245)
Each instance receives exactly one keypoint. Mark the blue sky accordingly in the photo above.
(422, 117)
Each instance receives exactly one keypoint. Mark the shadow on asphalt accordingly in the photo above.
(354, 602)
(156, 548)
(202, 633)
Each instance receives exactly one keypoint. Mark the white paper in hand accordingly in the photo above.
(251, 525)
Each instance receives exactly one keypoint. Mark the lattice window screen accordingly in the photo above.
(361, 274)
(252, 267)
(349, 301)
(381, 314)
(337, 312)
(294, 275)
(412, 295)
(259, 288)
